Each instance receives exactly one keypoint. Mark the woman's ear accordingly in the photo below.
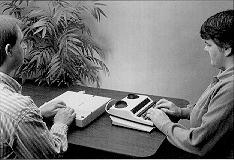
(227, 52)
(8, 50)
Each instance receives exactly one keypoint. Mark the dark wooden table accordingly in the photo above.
(100, 136)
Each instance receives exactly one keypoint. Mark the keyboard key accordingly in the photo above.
(146, 109)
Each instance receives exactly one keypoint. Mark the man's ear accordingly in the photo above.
(227, 52)
(8, 50)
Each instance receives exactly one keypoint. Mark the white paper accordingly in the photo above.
(130, 124)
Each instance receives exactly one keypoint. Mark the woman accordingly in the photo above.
(211, 118)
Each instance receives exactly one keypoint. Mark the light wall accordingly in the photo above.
(155, 46)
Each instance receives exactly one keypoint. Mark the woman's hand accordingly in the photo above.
(169, 108)
(158, 117)
(51, 108)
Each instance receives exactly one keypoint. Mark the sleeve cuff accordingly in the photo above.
(165, 127)
(59, 128)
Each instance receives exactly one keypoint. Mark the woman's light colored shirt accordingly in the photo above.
(211, 121)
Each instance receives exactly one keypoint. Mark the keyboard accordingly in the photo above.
(144, 111)
(133, 108)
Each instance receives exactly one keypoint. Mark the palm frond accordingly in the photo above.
(61, 48)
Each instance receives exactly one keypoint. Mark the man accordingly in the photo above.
(23, 134)
(211, 118)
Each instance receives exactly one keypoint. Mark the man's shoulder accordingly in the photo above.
(14, 103)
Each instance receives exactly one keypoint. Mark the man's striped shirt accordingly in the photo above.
(23, 134)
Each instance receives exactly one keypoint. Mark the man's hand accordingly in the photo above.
(169, 108)
(158, 117)
(65, 116)
(51, 108)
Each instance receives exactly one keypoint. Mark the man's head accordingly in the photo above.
(217, 31)
(11, 52)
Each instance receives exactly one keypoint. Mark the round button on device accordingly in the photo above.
(121, 104)
(132, 96)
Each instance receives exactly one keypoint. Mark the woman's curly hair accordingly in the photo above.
(219, 28)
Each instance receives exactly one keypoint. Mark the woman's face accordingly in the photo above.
(216, 54)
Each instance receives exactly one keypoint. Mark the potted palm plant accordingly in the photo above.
(60, 47)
